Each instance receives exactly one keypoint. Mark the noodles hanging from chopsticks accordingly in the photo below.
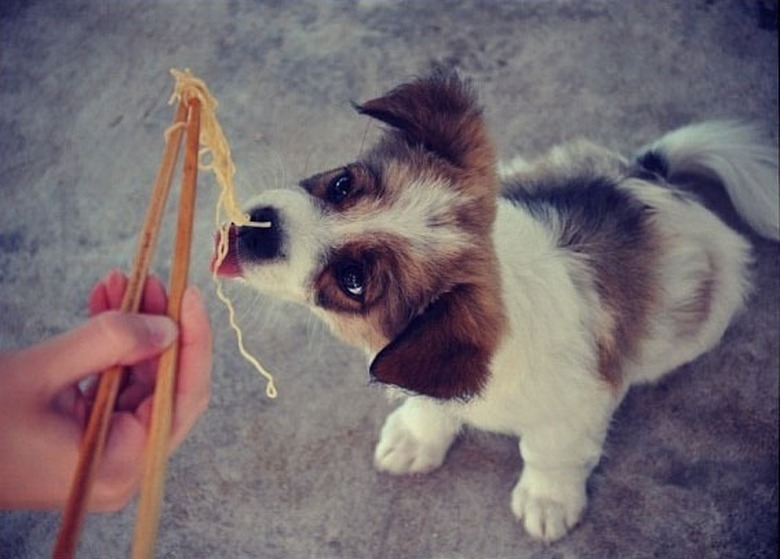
(215, 157)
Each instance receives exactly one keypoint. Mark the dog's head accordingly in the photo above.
(394, 251)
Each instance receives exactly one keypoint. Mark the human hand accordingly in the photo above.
(44, 403)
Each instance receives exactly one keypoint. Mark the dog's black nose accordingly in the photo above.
(263, 238)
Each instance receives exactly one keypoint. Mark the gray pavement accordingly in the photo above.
(691, 465)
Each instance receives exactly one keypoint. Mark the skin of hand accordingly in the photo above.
(46, 391)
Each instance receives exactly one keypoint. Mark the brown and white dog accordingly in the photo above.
(523, 298)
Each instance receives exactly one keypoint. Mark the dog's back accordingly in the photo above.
(669, 272)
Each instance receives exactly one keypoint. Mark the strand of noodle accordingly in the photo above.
(221, 164)
(270, 387)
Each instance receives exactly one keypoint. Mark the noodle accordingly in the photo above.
(221, 164)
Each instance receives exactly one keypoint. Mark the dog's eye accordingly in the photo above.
(339, 188)
(351, 279)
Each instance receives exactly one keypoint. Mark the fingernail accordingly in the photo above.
(162, 330)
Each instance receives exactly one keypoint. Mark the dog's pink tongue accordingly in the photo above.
(230, 267)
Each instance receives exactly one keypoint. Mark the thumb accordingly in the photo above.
(108, 339)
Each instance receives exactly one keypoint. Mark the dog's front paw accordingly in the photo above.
(402, 451)
(548, 504)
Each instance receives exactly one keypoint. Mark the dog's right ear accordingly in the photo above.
(440, 113)
(445, 352)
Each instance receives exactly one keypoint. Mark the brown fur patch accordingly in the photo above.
(440, 309)
(626, 283)
(363, 185)
(445, 352)
(612, 234)
(436, 123)
(395, 283)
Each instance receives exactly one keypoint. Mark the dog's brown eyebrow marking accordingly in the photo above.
(373, 256)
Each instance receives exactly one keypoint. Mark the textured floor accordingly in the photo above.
(691, 467)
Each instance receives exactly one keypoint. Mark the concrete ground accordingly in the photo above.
(691, 466)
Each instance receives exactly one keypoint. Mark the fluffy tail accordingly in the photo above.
(732, 152)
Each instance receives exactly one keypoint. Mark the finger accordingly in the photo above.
(137, 389)
(116, 284)
(154, 299)
(111, 338)
(109, 292)
(193, 386)
(98, 300)
(140, 383)
(120, 470)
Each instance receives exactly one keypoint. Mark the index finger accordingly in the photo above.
(107, 294)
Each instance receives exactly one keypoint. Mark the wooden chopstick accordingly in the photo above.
(97, 427)
(150, 502)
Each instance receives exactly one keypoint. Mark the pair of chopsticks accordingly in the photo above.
(187, 116)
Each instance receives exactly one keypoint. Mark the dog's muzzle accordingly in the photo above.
(251, 244)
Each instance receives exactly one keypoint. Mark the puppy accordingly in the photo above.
(523, 299)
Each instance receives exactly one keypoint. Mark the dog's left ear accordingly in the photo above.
(445, 352)
(440, 113)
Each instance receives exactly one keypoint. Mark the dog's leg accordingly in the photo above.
(416, 437)
(558, 458)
